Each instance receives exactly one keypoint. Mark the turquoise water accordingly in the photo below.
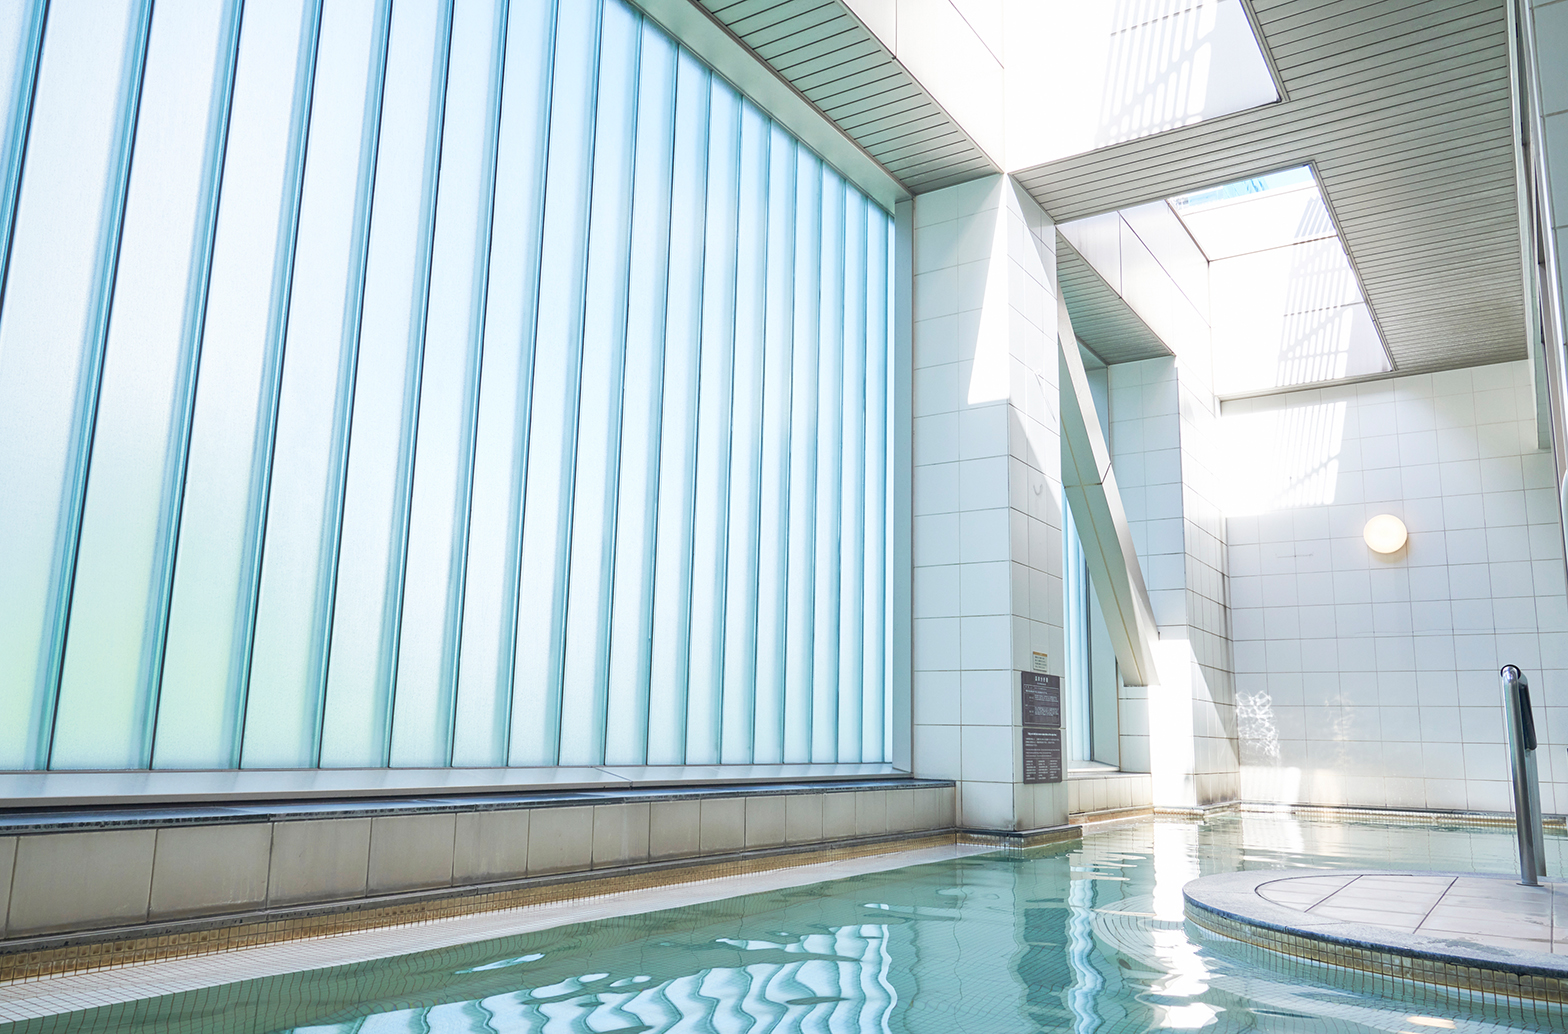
(1086, 938)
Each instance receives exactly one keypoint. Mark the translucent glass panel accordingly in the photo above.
(424, 384)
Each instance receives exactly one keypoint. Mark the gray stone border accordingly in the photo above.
(1229, 904)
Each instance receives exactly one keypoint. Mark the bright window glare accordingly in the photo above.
(1285, 305)
(1256, 214)
(1132, 67)
(1285, 179)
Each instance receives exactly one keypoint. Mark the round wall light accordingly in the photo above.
(1385, 533)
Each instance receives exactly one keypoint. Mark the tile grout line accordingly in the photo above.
(1439, 901)
(1334, 892)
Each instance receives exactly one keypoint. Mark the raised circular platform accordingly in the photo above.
(1483, 935)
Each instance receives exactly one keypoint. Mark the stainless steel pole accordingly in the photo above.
(1527, 792)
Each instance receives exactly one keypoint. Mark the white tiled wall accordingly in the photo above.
(1371, 680)
(1163, 448)
(1216, 767)
(987, 534)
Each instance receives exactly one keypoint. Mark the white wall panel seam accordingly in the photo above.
(595, 471)
(296, 422)
(616, 433)
(283, 291)
(21, 115)
(481, 304)
(551, 558)
(681, 515)
(343, 419)
(501, 531)
(391, 610)
(634, 678)
(195, 330)
(87, 404)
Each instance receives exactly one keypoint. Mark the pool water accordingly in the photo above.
(1087, 937)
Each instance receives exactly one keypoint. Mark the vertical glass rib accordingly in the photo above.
(800, 622)
(710, 524)
(536, 707)
(584, 682)
(207, 649)
(443, 384)
(288, 666)
(108, 686)
(484, 687)
(56, 299)
(427, 670)
(874, 680)
(677, 428)
(830, 428)
(21, 42)
(363, 660)
(631, 614)
(852, 478)
(889, 475)
(740, 596)
(773, 507)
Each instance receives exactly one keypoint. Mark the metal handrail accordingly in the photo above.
(1522, 745)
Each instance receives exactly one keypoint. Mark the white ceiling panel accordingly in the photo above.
(1403, 109)
(826, 53)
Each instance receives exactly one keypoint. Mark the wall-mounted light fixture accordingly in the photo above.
(1385, 533)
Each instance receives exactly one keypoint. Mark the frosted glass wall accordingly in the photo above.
(427, 384)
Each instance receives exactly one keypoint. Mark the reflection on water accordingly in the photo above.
(1088, 938)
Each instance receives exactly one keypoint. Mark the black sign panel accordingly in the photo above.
(1042, 755)
(1042, 699)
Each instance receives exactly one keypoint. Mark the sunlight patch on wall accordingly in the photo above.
(1278, 459)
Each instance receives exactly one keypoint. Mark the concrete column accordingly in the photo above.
(987, 494)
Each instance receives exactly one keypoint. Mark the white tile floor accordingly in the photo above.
(49, 996)
(1492, 911)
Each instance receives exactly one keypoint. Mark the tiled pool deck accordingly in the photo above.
(1457, 930)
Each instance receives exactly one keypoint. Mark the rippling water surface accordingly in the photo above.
(1086, 938)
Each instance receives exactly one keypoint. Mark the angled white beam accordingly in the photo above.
(1096, 505)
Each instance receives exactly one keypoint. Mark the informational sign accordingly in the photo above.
(1042, 726)
(1042, 699)
(1041, 662)
(1042, 755)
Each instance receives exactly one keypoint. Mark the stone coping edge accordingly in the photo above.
(1234, 896)
(133, 814)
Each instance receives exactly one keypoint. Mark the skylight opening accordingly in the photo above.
(1133, 67)
(1256, 214)
(1259, 288)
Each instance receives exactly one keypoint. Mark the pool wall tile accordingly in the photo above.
(490, 845)
(225, 870)
(933, 808)
(7, 869)
(838, 815)
(766, 821)
(81, 881)
(620, 834)
(803, 817)
(411, 852)
(204, 870)
(900, 812)
(674, 829)
(318, 860)
(723, 825)
(560, 840)
(870, 813)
